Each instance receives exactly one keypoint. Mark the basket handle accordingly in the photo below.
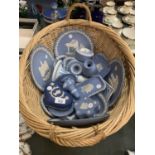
(79, 5)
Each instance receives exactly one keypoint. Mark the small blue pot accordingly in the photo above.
(89, 68)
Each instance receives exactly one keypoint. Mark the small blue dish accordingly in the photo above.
(102, 64)
(116, 79)
(91, 87)
(41, 66)
(47, 13)
(68, 42)
(86, 108)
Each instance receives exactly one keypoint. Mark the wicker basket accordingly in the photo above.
(105, 41)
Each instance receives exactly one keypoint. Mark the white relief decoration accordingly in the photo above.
(87, 88)
(44, 70)
(99, 67)
(113, 81)
(73, 45)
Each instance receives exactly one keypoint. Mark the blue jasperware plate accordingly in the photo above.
(61, 13)
(41, 66)
(102, 64)
(69, 41)
(116, 79)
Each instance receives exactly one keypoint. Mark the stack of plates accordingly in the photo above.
(113, 21)
(129, 19)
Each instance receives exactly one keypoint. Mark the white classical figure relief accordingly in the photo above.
(73, 45)
(113, 81)
(44, 70)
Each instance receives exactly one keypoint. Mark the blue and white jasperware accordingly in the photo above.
(102, 64)
(68, 42)
(41, 65)
(96, 118)
(107, 92)
(58, 70)
(49, 13)
(86, 108)
(116, 79)
(89, 68)
(56, 100)
(68, 83)
(91, 86)
(83, 53)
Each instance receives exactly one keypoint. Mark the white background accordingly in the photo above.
(145, 77)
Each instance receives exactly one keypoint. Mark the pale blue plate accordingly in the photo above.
(69, 41)
(41, 66)
(116, 79)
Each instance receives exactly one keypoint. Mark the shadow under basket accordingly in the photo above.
(105, 41)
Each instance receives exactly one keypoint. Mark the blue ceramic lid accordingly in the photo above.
(116, 79)
(41, 66)
(102, 64)
(53, 112)
(69, 41)
(55, 97)
(83, 53)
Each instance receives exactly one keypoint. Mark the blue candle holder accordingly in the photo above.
(89, 68)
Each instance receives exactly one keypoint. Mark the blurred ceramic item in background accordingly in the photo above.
(129, 33)
(132, 12)
(113, 20)
(125, 10)
(116, 78)
(83, 53)
(129, 19)
(68, 42)
(129, 3)
(110, 3)
(41, 66)
(89, 68)
(109, 10)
